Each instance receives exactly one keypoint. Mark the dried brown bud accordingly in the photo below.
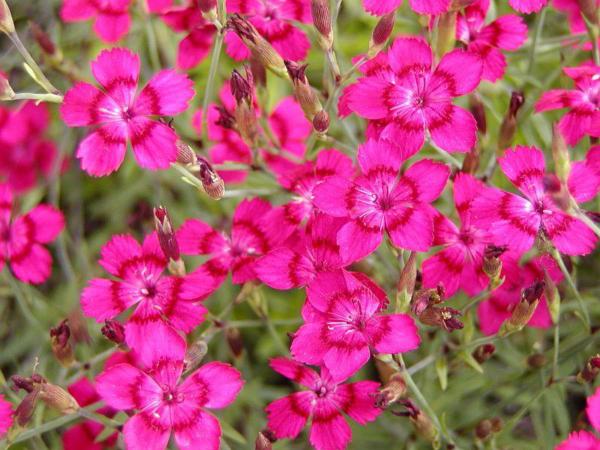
(265, 440)
(213, 184)
(509, 123)
(322, 21)
(58, 398)
(321, 122)
(235, 341)
(6, 22)
(391, 392)
(166, 235)
(194, 355)
(42, 39)
(61, 343)
(381, 33)
(442, 317)
(262, 50)
(484, 352)
(590, 370)
(114, 331)
(185, 154)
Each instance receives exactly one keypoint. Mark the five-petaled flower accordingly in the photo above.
(111, 17)
(381, 7)
(122, 115)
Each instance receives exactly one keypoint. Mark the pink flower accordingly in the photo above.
(138, 269)
(507, 32)
(516, 221)
(431, 7)
(325, 402)
(494, 311)
(573, 11)
(195, 46)
(111, 17)
(317, 252)
(23, 236)
(410, 97)
(251, 237)
(123, 116)
(6, 416)
(584, 440)
(459, 263)
(163, 404)
(344, 324)
(584, 115)
(527, 6)
(381, 200)
(273, 19)
(26, 153)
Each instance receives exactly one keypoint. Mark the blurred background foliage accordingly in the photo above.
(512, 386)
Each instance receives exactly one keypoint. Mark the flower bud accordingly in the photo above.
(213, 184)
(560, 155)
(6, 91)
(321, 122)
(509, 123)
(471, 162)
(6, 22)
(25, 410)
(235, 342)
(492, 264)
(61, 345)
(537, 360)
(524, 310)
(478, 110)
(446, 33)
(262, 50)
(483, 430)
(225, 119)
(381, 33)
(590, 371)
(114, 331)
(552, 297)
(166, 235)
(259, 73)
(422, 423)
(185, 154)
(406, 284)
(43, 40)
(245, 115)
(303, 92)
(58, 399)
(484, 352)
(322, 22)
(265, 440)
(194, 355)
(391, 392)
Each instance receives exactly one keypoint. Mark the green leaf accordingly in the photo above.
(232, 433)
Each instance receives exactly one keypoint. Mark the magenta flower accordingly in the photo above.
(27, 154)
(138, 269)
(382, 201)
(344, 324)
(111, 17)
(573, 11)
(516, 221)
(273, 19)
(507, 32)
(163, 404)
(251, 237)
(286, 267)
(325, 402)
(459, 263)
(23, 238)
(499, 307)
(431, 7)
(6, 416)
(195, 46)
(123, 116)
(411, 98)
(583, 103)
(527, 6)
(584, 440)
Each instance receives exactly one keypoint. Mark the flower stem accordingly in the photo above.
(539, 26)
(36, 72)
(51, 98)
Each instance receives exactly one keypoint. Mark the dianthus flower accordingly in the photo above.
(111, 17)
(584, 440)
(6, 416)
(527, 6)
(432, 7)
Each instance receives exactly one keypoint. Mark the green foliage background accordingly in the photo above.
(536, 415)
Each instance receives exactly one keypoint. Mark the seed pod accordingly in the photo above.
(185, 154)
(58, 399)
(114, 331)
(381, 34)
(61, 344)
(322, 22)
(6, 22)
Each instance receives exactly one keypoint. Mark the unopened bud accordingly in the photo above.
(492, 264)
(259, 73)
(114, 331)
(194, 355)
(234, 339)
(524, 310)
(552, 297)
(483, 430)
(166, 235)
(303, 92)
(471, 162)
(6, 91)
(560, 155)
(484, 352)
(58, 399)
(185, 154)
(61, 344)
(242, 89)
(589, 8)
(6, 22)
(537, 360)
(590, 371)
(265, 440)
(321, 122)
(25, 410)
(381, 34)
(42, 39)
(509, 123)
(391, 392)
(213, 184)
(408, 279)
(225, 119)
(262, 50)
(422, 423)
(446, 33)
(322, 21)
(478, 110)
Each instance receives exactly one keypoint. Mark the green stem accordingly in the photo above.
(22, 302)
(592, 30)
(260, 323)
(539, 25)
(38, 75)
(50, 98)
(583, 308)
